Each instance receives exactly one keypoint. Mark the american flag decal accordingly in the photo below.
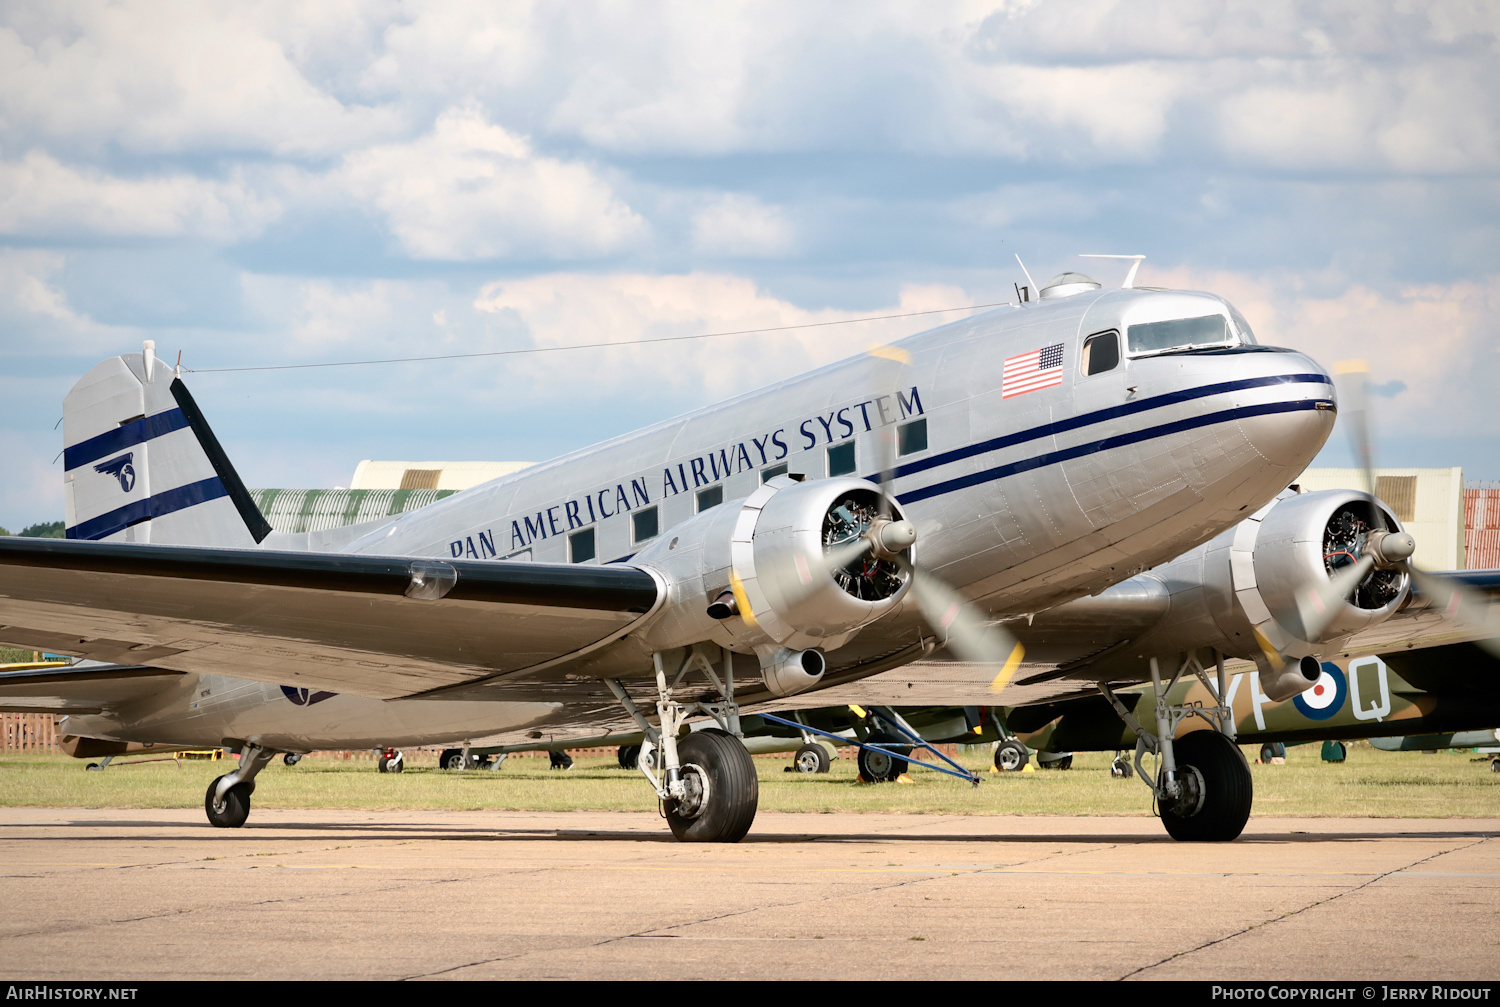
(1038, 369)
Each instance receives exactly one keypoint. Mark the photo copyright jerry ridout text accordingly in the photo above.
(1380, 992)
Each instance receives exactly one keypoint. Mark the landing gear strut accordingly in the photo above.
(227, 802)
(707, 785)
(1203, 788)
(392, 760)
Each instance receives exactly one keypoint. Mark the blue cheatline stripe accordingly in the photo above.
(1108, 443)
(111, 441)
(156, 506)
(1100, 416)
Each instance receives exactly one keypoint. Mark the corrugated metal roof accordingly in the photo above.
(319, 510)
(388, 475)
(1482, 528)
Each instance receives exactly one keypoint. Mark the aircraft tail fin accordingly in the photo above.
(142, 464)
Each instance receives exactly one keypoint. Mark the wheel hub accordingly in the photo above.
(696, 790)
(1190, 792)
(807, 762)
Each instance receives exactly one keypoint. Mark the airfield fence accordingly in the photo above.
(30, 732)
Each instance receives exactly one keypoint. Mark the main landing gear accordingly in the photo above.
(1203, 788)
(227, 802)
(707, 784)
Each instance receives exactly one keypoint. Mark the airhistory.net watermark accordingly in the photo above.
(68, 991)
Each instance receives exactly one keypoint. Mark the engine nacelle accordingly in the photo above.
(1292, 546)
(753, 575)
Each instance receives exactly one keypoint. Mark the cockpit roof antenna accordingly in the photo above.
(1130, 276)
(1023, 269)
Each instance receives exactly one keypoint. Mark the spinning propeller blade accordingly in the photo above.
(1454, 600)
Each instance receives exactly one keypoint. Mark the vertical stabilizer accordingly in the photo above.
(142, 464)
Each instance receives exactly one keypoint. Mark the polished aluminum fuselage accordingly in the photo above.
(207, 709)
(1022, 501)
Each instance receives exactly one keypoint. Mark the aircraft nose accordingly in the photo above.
(1289, 417)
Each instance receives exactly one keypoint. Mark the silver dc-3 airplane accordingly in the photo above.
(828, 528)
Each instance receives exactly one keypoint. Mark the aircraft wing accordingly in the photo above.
(89, 688)
(379, 626)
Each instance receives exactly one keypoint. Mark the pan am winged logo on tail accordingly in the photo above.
(121, 468)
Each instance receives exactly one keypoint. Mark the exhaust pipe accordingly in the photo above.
(788, 672)
(1293, 678)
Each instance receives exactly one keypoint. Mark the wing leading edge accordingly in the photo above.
(380, 626)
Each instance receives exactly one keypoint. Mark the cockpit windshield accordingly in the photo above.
(1181, 334)
(1246, 336)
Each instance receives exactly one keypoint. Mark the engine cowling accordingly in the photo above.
(1299, 542)
(753, 575)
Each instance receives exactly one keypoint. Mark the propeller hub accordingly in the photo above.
(891, 538)
(1391, 548)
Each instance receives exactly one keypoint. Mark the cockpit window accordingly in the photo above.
(1180, 334)
(1101, 352)
(1246, 336)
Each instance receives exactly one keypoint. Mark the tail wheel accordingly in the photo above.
(723, 791)
(231, 811)
(1217, 790)
(1121, 769)
(882, 765)
(452, 758)
(811, 758)
(559, 760)
(629, 756)
(1011, 757)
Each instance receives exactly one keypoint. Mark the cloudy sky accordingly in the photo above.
(280, 183)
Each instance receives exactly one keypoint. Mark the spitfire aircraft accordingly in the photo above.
(817, 532)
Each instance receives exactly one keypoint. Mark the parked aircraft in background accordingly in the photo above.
(1027, 458)
(1439, 690)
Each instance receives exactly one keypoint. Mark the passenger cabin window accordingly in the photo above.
(711, 497)
(911, 437)
(1101, 353)
(581, 546)
(1180, 334)
(646, 524)
(766, 475)
(841, 459)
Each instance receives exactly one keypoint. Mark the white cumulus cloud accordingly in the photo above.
(473, 190)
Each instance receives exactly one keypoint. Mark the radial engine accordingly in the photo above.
(781, 574)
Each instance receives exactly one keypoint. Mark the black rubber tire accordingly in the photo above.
(1066, 762)
(236, 807)
(811, 758)
(1228, 789)
(560, 760)
(383, 766)
(734, 789)
(629, 756)
(1272, 750)
(883, 766)
(1495, 765)
(291, 758)
(1011, 756)
(452, 758)
(1121, 769)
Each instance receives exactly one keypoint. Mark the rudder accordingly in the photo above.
(142, 464)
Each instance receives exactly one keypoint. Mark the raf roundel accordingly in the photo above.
(1326, 697)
